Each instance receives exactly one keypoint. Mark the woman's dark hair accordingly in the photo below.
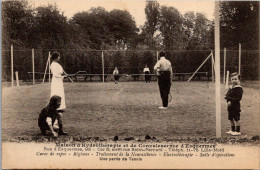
(55, 55)
(53, 105)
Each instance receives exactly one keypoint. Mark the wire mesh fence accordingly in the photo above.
(130, 62)
(249, 68)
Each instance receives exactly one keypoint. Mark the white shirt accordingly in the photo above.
(115, 72)
(163, 65)
(56, 70)
(146, 69)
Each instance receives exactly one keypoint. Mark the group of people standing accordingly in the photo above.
(53, 111)
(146, 71)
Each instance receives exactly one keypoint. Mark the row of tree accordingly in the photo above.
(47, 29)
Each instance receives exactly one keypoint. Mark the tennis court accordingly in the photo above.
(127, 109)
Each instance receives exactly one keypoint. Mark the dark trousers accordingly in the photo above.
(147, 76)
(164, 81)
(43, 127)
(116, 77)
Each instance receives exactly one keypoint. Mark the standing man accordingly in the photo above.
(163, 70)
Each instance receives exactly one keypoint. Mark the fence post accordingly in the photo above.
(224, 77)
(33, 66)
(239, 60)
(12, 65)
(103, 65)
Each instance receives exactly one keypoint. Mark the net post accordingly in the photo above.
(33, 66)
(239, 60)
(17, 79)
(49, 66)
(157, 56)
(212, 67)
(224, 76)
(200, 67)
(217, 71)
(227, 80)
(103, 65)
(12, 65)
(46, 69)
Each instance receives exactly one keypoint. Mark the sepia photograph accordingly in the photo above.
(128, 84)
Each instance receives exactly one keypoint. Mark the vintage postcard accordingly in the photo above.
(127, 84)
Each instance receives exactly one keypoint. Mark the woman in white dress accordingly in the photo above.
(57, 80)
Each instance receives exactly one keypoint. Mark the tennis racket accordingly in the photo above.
(67, 76)
(169, 97)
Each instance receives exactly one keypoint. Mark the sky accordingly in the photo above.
(135, 7)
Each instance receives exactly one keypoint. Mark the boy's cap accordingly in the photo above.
(235, 74)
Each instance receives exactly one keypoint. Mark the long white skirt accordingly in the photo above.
(58, 89)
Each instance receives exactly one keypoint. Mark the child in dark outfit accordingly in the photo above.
(48, 116)
(233, 97)
(147, 74)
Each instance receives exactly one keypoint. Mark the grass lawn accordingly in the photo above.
(127, 109)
